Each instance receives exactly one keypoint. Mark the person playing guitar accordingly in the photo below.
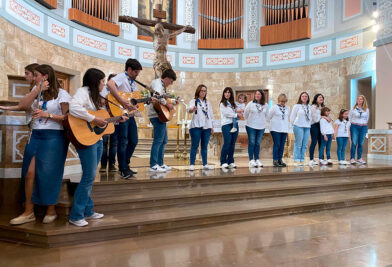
(87, 98)
(126, 131)
(160, 128)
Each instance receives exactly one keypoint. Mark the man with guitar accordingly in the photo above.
(126, 131)
(160, 129)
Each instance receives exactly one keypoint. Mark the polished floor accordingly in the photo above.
(345, 237)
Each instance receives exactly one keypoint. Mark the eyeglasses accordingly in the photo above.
(203, 90)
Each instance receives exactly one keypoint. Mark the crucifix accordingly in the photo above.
(160, 35)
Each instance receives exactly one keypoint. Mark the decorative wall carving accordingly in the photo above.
(189, 19)
(253, 26)
(125, 11)
(385, 18)
(321, 10)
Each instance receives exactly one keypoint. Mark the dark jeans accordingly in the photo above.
(82, 205)
(111, 142)
(327, 146)
(358, 134)
(229, 139)
(279, 142)
(341, 150)
(235, 123)
(316, 137)
(127, 141)
(159, 143)
(254, 140)
(197, 135)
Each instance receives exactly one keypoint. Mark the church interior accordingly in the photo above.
(195, 133)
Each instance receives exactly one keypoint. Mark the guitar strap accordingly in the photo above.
(111, 102)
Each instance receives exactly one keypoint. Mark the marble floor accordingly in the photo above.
(360, 236)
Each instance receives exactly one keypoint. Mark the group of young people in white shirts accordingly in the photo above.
(305, 120)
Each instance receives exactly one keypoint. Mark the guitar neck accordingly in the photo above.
(145, 86)
(114, 119)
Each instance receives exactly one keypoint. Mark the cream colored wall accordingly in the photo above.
(384, 86)
(18, 48)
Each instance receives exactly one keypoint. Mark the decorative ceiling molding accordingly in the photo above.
(252, 20)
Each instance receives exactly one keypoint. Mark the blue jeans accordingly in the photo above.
(159, 143)
(82, 205)
(235, 123)
(358, 134)
(111, 141)
(316, 137)
(325, 145)
(279, 142)
(341, 150)
(254, 140)
(229, 139)
(301, 142)
(127, 141)
(197, 135)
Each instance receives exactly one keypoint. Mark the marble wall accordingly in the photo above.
(19, 48)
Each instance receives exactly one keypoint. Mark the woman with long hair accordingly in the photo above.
(255, 115)
(359, 118)
(279, 116)
(46, 151)
(301, 119)
(227, 109)
(87, 98)
(201, 126)
(315, 134)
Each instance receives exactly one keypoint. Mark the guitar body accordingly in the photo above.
(164, 113)
(116, 111)
(82, 133)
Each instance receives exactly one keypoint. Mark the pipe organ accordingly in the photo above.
(220, 24)
(285, 21)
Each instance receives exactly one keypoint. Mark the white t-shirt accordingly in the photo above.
(123, 83)
(157, 86)
(316, 114)
(52, 106)
(279, 119)
(81, 103)
(256, 115)
(343, 129)
(359, 116)
(239, 105)
(326, 127)
(227, 114)
(199, 118)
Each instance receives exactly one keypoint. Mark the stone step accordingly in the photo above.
(117, 225)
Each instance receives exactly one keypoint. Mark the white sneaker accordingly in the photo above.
(252, 164)
(95, 215)
(329, 161)
(49, 218)
(192, 167)
(225, 166)
(313, 162)
(352, 161)
(342, 162)
(300, 164)
(346, 162)
(79, 223)
(361, 161)
(323, 162)
(207, 167)
(259, 164)
(165, 167)
(157, 168)
(297, 163)
(232, 166)
(233, 130)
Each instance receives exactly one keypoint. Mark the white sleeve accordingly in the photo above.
(271, 113)
(315, 115)
(64, 97)
(76, 107)
(350, 115)
(118, 80)
(192, 104)
(210, 111)
(227, 111)
(294, 114)
(323, 125)
(247, 110)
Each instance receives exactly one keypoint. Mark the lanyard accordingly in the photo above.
(204, 109)
(283, 110)
(360, 111)
(131, 82)
(306, 111)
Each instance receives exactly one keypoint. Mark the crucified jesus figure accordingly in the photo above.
(161, 38)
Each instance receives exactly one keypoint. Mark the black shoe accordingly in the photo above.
(134, 171)
(125, 174)
(276, 163)
(112, 168)
(281, 163)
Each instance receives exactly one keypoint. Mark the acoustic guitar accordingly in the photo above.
(82, 133)
(164, 113)
(116, 109)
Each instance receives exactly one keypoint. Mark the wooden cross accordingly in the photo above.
(159, 14)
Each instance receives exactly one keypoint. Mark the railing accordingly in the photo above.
(101, 15)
